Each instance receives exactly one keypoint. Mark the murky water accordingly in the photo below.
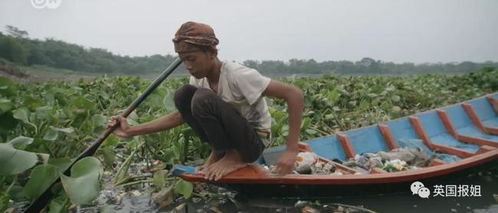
(227, 201)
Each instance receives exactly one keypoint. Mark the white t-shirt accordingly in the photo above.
(242, 87)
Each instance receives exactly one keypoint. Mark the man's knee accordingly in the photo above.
(202, 101)
(183, 95)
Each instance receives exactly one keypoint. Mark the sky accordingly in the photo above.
(418, 31)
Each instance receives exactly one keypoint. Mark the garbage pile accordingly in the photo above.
(310, 163)
(399, 159)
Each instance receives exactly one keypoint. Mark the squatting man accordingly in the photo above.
(224, 104)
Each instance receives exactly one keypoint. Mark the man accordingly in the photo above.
(225, 106)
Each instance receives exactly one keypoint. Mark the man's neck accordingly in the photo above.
(214, 76)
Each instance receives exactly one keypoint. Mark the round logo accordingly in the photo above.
(50, 4)
(416, 186)
(39, 4)
(424, 192)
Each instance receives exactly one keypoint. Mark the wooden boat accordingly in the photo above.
(468, 130)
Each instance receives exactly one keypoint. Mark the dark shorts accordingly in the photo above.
(218, 123)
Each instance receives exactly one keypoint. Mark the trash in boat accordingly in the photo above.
(308, 163)
(306, 159)
(395, 165)
(398, 159)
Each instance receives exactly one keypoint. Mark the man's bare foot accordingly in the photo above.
(229, 163)
(213, 157)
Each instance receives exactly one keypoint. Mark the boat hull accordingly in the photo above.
(339, 190)
(455, 130)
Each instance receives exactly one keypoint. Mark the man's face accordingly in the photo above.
(198, 63)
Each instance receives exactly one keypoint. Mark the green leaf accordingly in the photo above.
(82, 103)
(109, 156)
(395, 98)
(84, 184)
(170, 156)
(159, 179)
(305, 123)
(43, 112)
(133, 115)
(396, 108)
(329, 116)
(333, 96)
(184, 188)
(8, 87)
(58, 204)
(68, 130)
(5, 105)
(40, 179)
(372, 95)
(4, 201)
(15, 161)
(31, 102)
(311, 131)
(21, 141)
(21, 114)
(61, 163)
(16, 193)
(156, 98)
(99, 120)
(132, 118)
(53, 132)
(51, 135)
(111, 141)
(122, 173)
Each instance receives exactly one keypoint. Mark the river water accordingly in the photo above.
(472, 200)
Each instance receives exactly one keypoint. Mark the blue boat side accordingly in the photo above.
(437, 133)
(485, 111)
(463, 124)
(367, 140)
(401, 129)
(328, 147)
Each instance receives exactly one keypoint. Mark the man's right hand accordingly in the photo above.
(123, 129)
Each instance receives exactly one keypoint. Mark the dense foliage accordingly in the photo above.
(61, 118)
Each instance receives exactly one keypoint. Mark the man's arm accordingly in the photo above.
(295, 103)
(166, 122)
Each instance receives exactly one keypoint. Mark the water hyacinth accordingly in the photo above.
(61, 118)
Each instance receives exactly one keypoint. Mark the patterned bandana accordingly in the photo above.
(193, 33)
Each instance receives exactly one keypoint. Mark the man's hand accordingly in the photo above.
(286, 161)
(295, 104)
(123, 128)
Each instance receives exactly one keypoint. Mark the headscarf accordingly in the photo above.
(193, 33)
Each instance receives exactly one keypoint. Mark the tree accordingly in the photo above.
(12, 50)
(18, 48)
(16, 32)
